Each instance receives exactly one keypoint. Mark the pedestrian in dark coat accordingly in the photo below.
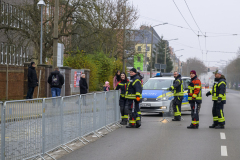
(32, 80)
(83, 85)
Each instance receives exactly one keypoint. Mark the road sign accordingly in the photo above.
(157, 66)
(163, 66)
(160, 66)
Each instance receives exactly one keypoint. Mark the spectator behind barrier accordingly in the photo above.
(106, 87)
(56, 80)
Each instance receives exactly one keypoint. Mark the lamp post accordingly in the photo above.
(178, 57)
(41, 3)
(165, 58)
(152, 48)
(175, 58)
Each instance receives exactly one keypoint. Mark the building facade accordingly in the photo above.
(143, 39)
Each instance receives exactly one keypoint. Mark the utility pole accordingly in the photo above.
(124, 41)
(165, 59)
(151, 55)
(55, 34)
(156, 61)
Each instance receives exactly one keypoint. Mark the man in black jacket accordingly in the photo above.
(83, 85)
(218, 93)
(56, 80)
(32, 80)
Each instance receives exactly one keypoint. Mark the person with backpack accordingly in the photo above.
(56, 80)
(32, 80)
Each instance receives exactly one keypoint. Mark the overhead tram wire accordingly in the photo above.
(193, 17)
(184, 18)
(178, 43)
(220, 34)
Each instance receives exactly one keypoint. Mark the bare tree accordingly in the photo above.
(90, 26)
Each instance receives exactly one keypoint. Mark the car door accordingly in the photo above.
(185, 104)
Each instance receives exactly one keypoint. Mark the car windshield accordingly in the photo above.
(157, 84)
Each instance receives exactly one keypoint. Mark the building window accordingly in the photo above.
(139, 59)
(139, 48)
(2, 54)
(3, 12)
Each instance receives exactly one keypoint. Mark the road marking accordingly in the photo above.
(224, 151)
(222, 135)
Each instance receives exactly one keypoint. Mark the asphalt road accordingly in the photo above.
(171, 140)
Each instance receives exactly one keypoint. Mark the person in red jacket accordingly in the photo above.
(195, 99)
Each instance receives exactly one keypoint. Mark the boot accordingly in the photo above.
(220, 126)
(213, 126)
(138, 124)
(130, 126)
(192, 126)
(176, 119)
(124, 122)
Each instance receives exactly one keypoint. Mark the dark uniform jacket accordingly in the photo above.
(83, 86)
(219, 89)
(32, 77)
(60, 76)
(134, 88)
(177, 87)
(122, 85)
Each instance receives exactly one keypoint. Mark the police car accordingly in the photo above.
(156, 98)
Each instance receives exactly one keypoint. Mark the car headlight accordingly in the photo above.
(165, 98)
(158, 99)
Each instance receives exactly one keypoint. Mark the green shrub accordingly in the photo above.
(102, 68)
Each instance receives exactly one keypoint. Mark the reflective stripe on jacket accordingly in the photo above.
(134, 88)
(177, 86)
(195, 90)
(219, 89)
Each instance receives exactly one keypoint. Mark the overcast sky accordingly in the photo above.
(212, 16)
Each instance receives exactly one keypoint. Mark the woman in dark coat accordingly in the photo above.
(83, 85)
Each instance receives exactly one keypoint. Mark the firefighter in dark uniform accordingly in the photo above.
(177, 87)
(218, 93)
(122, 85)
(195, 99)
(134, 97)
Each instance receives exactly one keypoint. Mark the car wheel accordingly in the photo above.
(171, 111)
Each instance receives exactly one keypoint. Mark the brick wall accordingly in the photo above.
(15, 82)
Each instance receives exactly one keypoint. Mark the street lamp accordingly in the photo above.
(179, 50)
(165, 58)
(41, 3)
(178, 57)
(152, 48)
(175, 58)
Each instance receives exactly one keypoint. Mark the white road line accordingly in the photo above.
(224, 151)
(222, 135)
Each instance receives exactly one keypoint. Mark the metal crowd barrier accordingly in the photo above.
(33, 128)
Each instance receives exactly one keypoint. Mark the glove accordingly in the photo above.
(208, 93)
(138, 99)
(219, 100)
(170, 89)
(191, 84)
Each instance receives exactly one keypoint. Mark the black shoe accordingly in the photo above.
(123, 123)
(219, 127)
(138, 124)
(192, 126)
(176, 119)
(213, 126)
(130, 126)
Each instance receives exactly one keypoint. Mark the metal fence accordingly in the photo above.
(33, 128)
